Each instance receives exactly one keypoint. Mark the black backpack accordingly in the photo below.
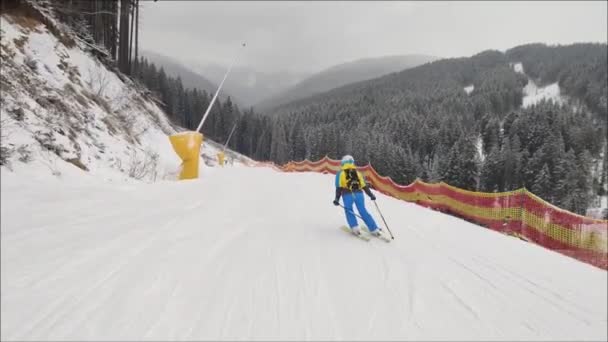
(352, 180)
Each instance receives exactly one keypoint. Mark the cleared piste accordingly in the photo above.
(251, 253)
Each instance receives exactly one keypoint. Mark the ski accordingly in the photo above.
(361, 236)
(381, 236)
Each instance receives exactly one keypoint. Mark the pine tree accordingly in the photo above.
(582, 191)
(411, 168)
(564, 178)
(530, 168)
(542, 184)
(462, 167)
(553, 149)
(492, 171)
(451, 173)
(280, 149)
(187, 114)
(436, 164)
(470, 165)
(296, 139)
(180, 101)
(510, 158)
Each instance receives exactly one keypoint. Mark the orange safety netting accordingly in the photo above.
(519, 212)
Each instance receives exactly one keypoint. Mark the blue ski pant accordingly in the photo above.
(359, 200)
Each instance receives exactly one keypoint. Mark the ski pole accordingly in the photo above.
(351, 211)
(386, 225)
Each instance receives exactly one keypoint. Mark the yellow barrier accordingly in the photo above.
(187, 145)
(220, 158)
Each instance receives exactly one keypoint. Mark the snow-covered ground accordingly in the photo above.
(534, 94)
(251, 253)
(469, 89)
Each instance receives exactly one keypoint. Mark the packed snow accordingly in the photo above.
(255, 254)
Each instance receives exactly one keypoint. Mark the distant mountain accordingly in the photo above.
(246, 84)
(342, 74)
(190, 79)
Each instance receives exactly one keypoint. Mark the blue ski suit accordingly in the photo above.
(354, 196)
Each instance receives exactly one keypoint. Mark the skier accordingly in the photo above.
(349, 185)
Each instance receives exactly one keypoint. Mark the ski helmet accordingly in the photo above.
(347, 159)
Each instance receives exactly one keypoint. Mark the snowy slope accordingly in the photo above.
(251, 253)
(59, 104)
(534, 94)
(61, 107)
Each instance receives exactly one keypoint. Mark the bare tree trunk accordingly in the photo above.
(92, 18)
(9, 5)
(70, 9)
(114, 28)
(136, 35)
(131, 39)
(110, 27)
(105, 22)
(99, 19)
(123, 50)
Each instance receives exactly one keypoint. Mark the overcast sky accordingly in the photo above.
(313, 35)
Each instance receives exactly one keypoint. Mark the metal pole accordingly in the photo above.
(229, 136)
(200, 125)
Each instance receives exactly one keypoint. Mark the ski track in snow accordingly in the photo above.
(250, 253)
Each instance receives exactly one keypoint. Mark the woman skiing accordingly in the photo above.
(350, 185)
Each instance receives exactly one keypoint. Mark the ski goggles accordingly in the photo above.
(347, 161)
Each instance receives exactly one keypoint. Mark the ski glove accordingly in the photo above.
(336, 202)
(369, 193)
